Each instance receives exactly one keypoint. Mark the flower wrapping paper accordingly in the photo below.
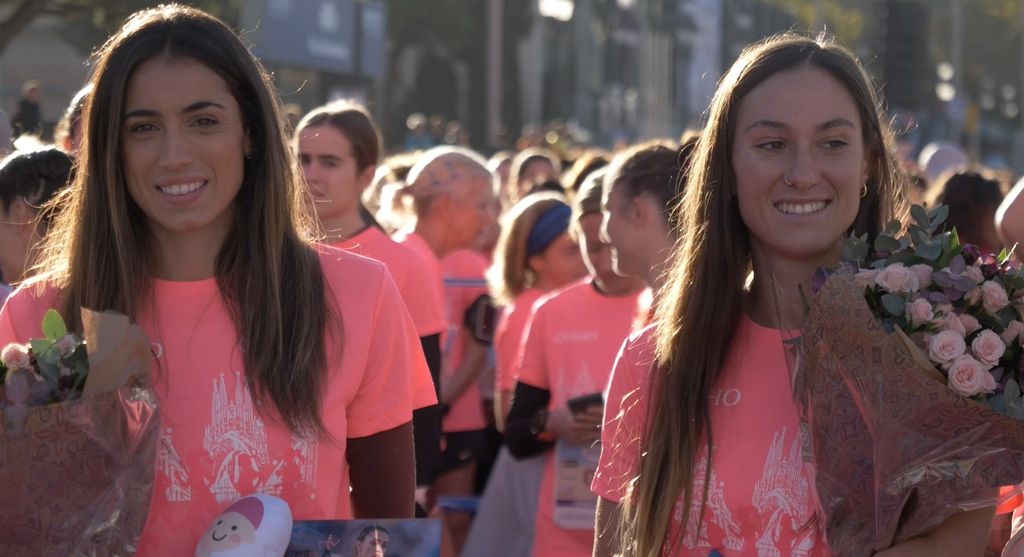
(76, 477)
(894, 451)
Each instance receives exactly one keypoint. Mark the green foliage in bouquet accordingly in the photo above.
(962, 308)
(47, 370)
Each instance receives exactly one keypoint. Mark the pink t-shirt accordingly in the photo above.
(759, 500)
(410, 273)
(570, 347)
(431, 265)
(216, 443)
(413, 279)
(464, 282)
(508, 337)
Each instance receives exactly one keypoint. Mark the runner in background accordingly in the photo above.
(571, 344)
(338, 147)
(535, 255)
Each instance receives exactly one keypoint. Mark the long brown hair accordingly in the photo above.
(100, 252)
(703, 298)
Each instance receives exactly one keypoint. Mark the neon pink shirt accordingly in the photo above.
(413, 280)
(409, 272)
(431, 265)
(217, 444)
(760, 496)
(508, 337)
(570, 347)
(464, 282)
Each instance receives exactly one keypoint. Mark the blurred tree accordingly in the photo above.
(846, 19)
(88, 22)
(431, 42)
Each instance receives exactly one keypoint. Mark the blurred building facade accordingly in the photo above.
(628, 70)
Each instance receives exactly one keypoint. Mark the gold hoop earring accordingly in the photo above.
(864, 191)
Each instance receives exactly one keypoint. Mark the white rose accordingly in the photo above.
(924, 274)
(969, 378)
(946, 346)
(16, 356)
(988, 348)
(919, 312)
(897, 278)
(970, 323)
(1014, 331)
(993, 297)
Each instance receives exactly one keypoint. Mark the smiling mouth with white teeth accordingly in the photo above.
(181, 189)
(801, 208)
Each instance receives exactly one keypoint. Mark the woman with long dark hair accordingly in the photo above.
(281, 366)
(701, 445)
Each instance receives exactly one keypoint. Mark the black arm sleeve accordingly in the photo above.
(526, 403)
(426, 422)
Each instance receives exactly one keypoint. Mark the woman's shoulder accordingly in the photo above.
(340, 264)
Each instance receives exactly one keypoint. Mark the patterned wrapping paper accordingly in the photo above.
(76, 477)
(895, 452)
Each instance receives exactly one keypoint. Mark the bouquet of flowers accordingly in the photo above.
(907, 376)
(78, 439)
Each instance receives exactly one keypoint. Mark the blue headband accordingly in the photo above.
(552, 224)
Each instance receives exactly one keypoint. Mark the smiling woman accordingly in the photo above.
(186, 215)
(795, 154)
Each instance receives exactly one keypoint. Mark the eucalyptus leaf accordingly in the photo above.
(40, 346)
(894, 304)
(892, 228)
(930, 251)
(920, 216)
(53, 325)
(938, 215)
(919, 235)
(1013, 401)
(886, 244)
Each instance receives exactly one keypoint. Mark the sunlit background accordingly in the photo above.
(490, 73)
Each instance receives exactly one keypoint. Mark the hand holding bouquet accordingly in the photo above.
(77, 440)
(908, 381)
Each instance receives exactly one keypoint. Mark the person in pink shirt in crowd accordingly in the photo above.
(338, 147)
(465, 358)
(281, 366)
(794, 156)
(452, 195)
(535, 255)
(567, 356)
(642, 190)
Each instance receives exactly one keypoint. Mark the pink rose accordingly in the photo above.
(66, 345)
(993, 297)
(15, 356)
(950, 322)
(924, 274)
(974, 273)
(1014, 331)
(974, 296)
(919, 312)
(898, 279)
(944, 309)
(970, 324)
(988, 348)
(866, 278)
(946, 346)
(969, 378)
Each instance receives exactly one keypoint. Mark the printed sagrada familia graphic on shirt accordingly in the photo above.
(235, 442)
